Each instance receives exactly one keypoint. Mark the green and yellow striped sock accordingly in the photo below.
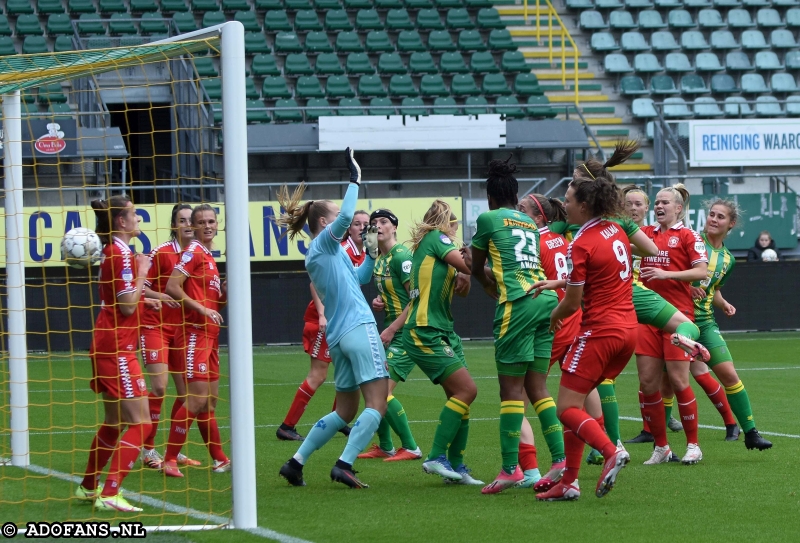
(740, 405)
(511, 414)
(551, 427)
(608, 401)
(398, 420)
(668, 403)
(449, 426)
(455, 453)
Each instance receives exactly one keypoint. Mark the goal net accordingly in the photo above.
(117, 115)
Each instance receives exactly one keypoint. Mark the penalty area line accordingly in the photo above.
(172, 508)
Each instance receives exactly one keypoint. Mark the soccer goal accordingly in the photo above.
(116, 115)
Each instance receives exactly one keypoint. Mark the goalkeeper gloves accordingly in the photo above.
(352, 165)
(370, 238)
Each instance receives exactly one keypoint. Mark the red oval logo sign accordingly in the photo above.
(50, 145)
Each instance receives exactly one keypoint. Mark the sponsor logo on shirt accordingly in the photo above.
(186, 257)
(448, 351)
(127, 274)
(407, 266)
(446, 240)
(700, 247)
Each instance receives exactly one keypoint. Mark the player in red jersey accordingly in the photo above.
(314, 343)
(600, 277)
(116, 373)
(195, 283)
(158, 331)
(681, 260)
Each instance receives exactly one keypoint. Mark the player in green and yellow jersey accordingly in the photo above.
(722, 217)
(392, 273)
(437, 271)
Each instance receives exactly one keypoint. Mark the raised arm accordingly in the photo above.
(342, 222)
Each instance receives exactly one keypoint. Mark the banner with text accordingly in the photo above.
(744, 142)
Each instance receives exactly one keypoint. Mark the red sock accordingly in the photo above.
(645, 425)
(124, 457)
(527, 457)
(299, 404)
(717, 395)
(103, 446)
(155, 403)
(207, 424)
(176, 406)
(587, 429)
(178, 432)
(653, 414)
(601, 421)
(687, 406)
(573, 447)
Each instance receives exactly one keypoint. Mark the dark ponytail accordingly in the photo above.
(552, 208)
(106, 212)
(501, 185)
(593, 169)
(601, 195)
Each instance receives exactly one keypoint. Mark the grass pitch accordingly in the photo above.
(732, 494)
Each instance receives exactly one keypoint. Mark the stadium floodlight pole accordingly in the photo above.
(237, 256)
(15, 280)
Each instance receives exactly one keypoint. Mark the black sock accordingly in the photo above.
(344, 465)
(295, 464)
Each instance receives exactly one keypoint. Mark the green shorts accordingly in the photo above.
(438, 353)
(651, 308)
(712, 340)
(400, 364)
(522, 334)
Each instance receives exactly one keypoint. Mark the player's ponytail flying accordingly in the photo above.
(296, 215)
(107, 212)
(594, 169)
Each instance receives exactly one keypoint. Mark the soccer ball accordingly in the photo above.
(769, 255)
(81, 248)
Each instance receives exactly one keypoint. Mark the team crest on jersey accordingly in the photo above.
(202, 368)
(673, 242)
(153, 355)
(186, 257)
(448, 351)
(390, 354)
(127, 274)
(141, 384)
(130, 348)
(327, 353)
(445, 239)
(407, 266)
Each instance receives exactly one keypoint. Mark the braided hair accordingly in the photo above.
(501, 185)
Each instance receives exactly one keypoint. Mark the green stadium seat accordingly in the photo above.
(370, 85)
(120, 24)
(235, 5)
(723, 84)
(769, 18)
(382, 5)
(632, 85)
(213, 88)
(410, 40)
(693, 40)
(264, 64)
(336, 19)
(59, 24)
(651, 20)
(355, 5)
(398, 19)
(663, 41)
(413, 106)
(489, 18)
(768, 106)
(448, 4)
(307, 20)
(378, 42)
(152, 23)
(783, 83)
(328, 64)
(792, 60)
(60, 110)
(464, 85)
(277, 21)
(458, 19)
(514, 62)
(737, 61)
(174, 6)
(708, 62)
(213, 18)
(422, 63)
(275, 87)
(346, 105)
(27, 97)
(793, 18)
(51, 93)
(19, 7)
(601, 42)
(381, 106)
(63, 44)
(90, 24)
(112, 6)
(256, 42)
(295, 5)
(678, 63)
(429, 19)
(500, 40)
(452, 63)
(248, 20)
(680, 18)
(483, 62)
(445, 105)
(753, 39)
(358, 64)
(391, 63)
(633, 42)
(782, 39)
(433, 85)
(338, 86)
(81, 6)
(608, 4)
(793, 106)
(736, 106)
(693, 84)
(318, 42)
(201, 6)
(368, 19)
(509, 107)
(287, 42)
(297, 64)
(45, 7)
(470, 40)
(440, 40)
(315, 114)
(617, 64)
(256, 115)
(592, 20)
(291, 114)
(768, 61)
(539, 107)
(495, 84)
(644, 108)
(184, 22)
(205, 67)
(663, 84)
(722, 40)
(476, 105)
(28, 25)
(710, 18)
(324, 5)
(647, 63)
(621, 20)
(527, 85)
(268, 5)
(402, 85)
(348, 42)
(250, 90)
(418, 4)
(308, 86)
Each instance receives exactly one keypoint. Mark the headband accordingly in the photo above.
(539, 205)
(386, 214)
(587, 171)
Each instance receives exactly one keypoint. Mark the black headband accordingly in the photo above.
(386, 214)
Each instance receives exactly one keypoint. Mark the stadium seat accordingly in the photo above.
(308, 86)
(509, 107)
(675, 107)
(633, 42)
(235, 5)
(5, 29)
(756, 3)
(792, 60)
(250, 90)
(275, 87)
(80, 6)
(324, 5)
(355, 5)
(291, 114)
(448, 4)
(381, 106)
(632, 85)
(338, 86)
(45, 7)
(348, 42)
(59, 24)
(539, 107)
(621, 20)
(470, 40)
(152, 23)
(433, 85)
(527, 85)
(297, 64)
(580, 4)
(429, 19)
(793, 106)
(697, 4)
(317, 42)
(754, 84)
(768, 60)
(383, 5)
(727, 3)
(368, 19)
(710, 18)
(638, 4)
(121, 24)
(391, 63)
(678, 63)
(112, 6)
(306, 20)
(768, 106)
(723, 84)
(269, 5)
(248, 20)
(256, 42)
(663, 84)
(295, 5)
(722, 40)
(358, 64)
(60, 109)
(706, 107)
(477, 4)
(663, 41)
(53, 92)
(398, 19)
(464, 85)
(753, 39)
(483, 62)
(28, 25)
(769, 18)
(328, 64)
(184, 22)
(410, 40)
(422, 63)
(201, 6)
(285, 42)
(737, 61)
(19, 7)
(693, 40)
(255, 115)
(783, 83)
(651, 20)
(336, 19)
(647, 63)
(173, 6)
(445, 105)
(277, 21)
(782, 39)
(495, 84)
(693, 84)
(413, 106)
(89, 24)
(315, 114)
(736, 106)
(205, 67)
(401, 85)
(513, 62)
(440, 40)
(489, 18)
(793, 18)
(617, 64)
(786, 3)
(608, 4)
(452, 63)
(644, 108)
(602, 42)
(213, 18)
(476, 105)
(592, 20)
(680, 18)
(348, 104)
(458, 19)
(740, 18)
(378, 42)
(63, 43)
(370, 85)
(213, 88)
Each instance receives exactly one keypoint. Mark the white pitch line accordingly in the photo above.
(709, 427)
(172, 508)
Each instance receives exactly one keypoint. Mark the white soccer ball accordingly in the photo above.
(769, 255)
(81, 248)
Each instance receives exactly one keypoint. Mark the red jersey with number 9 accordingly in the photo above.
(553, 250)
(163, 260)
(202, 285)
(679, 249)
(599, 259)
